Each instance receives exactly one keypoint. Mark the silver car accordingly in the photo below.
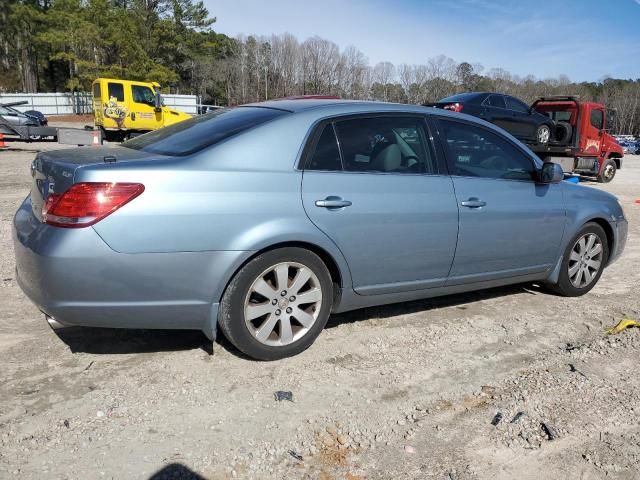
(11, 116)
(264, 219)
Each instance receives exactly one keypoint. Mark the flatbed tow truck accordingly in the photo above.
(64, 135)
(581, 144)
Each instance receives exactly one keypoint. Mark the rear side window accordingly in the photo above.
(477, 152)
(326, 155)
(385, 144)
(116, 90)
(496, 101)
(195, 134)
(516, 105)
(96, 90)
(597, 119)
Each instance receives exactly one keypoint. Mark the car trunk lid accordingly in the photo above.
(54, 171)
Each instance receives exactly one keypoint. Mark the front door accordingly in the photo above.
(143, 115)
(509, 224)
(379, 195)
(592, 135)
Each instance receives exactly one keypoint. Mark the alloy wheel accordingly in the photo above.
(283, 303)
(585, 260)
(609, 172)
(544, 134)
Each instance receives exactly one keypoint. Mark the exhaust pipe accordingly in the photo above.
(53, 323)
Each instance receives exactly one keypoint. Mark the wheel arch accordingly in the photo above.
(339, 272)
(608, 230)
(616, 157)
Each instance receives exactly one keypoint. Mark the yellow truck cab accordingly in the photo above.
(126, 108)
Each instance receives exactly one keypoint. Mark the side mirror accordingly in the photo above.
(157, 103)
(551, 173)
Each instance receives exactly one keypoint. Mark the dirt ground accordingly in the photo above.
(402, 391)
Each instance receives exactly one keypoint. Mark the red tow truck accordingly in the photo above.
(580, 142)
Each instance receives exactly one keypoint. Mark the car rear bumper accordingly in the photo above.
(74, 277)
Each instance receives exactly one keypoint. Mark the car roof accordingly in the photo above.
(299, 105)
(326, 108)
(317, 110)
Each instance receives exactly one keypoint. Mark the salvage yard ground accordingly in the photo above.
(402, 391)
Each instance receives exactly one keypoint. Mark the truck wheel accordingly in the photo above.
(563, 132)
(583, 262)
(607, 172)
(543, 134)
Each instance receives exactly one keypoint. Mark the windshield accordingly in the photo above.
(195, 134)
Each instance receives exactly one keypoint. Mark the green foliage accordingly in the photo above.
(66, 44)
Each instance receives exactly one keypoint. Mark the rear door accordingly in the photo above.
(115, 110)
(373, 186)
(509, 224)
(98, 115)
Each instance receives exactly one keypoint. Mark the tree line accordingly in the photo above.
(63, 45)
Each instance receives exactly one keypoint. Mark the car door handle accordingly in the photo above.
(473, 203)
(333, 202)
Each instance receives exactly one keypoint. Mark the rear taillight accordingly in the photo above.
(454, 107)
(87, 203)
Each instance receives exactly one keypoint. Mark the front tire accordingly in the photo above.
(277, 304)
(583, 262)
(608, 171)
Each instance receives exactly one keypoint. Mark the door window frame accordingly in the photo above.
(121, 85)
(601, 112)
(133, 97)
(449, 159)
(517, 101)
(487, 103)
(317, 128)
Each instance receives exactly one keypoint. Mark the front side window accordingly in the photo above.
(516, 105)
(496, 101)
(116, 90)
(477, 152)
(96, 90)
(385, 144)
(597, 119)
(143, 95)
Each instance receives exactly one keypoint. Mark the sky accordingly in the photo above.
(587, 40)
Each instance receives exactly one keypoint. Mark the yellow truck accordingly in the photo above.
(126, 108)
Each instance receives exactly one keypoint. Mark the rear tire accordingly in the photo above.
(563, 133)
(277, 304)
(608, 171)
(583, 261)
(543, 134)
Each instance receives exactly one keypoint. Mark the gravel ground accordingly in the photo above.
(402, 391)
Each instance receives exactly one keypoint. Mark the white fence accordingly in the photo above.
(80, 102)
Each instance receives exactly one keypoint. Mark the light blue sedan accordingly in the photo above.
(264, 219)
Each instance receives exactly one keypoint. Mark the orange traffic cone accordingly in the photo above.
(2, 144)
(96, 140)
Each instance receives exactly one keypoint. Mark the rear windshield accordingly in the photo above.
(195, 134)
(461, 97)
